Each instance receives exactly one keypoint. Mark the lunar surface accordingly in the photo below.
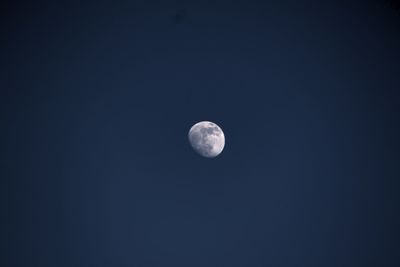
(207, 139)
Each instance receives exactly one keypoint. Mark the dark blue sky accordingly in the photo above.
(97, 99)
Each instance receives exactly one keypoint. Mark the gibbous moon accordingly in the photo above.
(207, 139)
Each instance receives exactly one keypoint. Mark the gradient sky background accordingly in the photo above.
(97, 98)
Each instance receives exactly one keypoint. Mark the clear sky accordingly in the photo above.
(97, 98)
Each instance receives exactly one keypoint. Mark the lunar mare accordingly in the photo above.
(207, 139)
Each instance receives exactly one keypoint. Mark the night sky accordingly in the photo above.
(97, 98)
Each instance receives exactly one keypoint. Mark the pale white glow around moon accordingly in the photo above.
(207, 139)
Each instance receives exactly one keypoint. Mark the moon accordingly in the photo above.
(207, 139)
